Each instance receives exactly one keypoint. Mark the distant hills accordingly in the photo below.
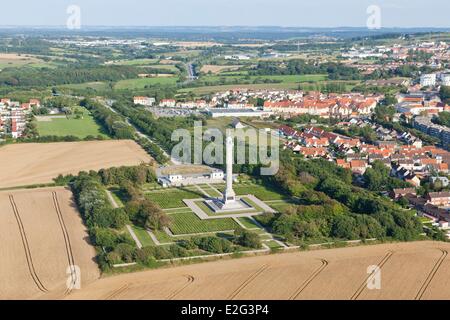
(215, 32)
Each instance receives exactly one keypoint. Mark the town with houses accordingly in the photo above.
(14, 116)
(406, 155)
(320, 153)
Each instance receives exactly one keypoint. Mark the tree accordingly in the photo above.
(105, 237)
(125, 251)
(344, 227)
(247, 239)
(148, 215)
(119, 218)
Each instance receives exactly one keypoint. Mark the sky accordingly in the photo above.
(288, 13)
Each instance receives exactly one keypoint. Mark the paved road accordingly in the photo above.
(109, 103)
(191, 72)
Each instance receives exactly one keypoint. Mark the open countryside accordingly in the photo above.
(104, 195)
(42, 234)
(336, 274)
(27, 164)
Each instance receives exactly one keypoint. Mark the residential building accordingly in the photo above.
(144, 101)
(428, 80)
(439, 199)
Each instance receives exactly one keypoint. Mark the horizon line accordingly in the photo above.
(224, 26)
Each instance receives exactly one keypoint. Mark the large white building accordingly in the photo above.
(144, 101)
(428, 80)
(445, 80)
(236, 113)
(178, 179)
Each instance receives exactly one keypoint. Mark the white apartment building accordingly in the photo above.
(144, 101)
(428, 80)
(445, 80)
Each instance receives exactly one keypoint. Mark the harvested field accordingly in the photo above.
(15, 60)
(218, 69)
(27, 164)
(42, 234)
(408, 271)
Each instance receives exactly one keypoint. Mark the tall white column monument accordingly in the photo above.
(229, 203)
(229, 197)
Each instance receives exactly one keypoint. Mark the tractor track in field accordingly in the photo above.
(190, 280)
(244, 284)
(431, 275)
(117, 292)
(310, 279)
(363, 285)
(26, 246)
(67, 243)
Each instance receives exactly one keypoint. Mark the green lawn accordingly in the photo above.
(211, 191)
(143, 236)
(172, 198)
(142, 83)
(162, 237)
(80, 128)
(248, 223)
(263, 193)
(280, 206)
(272, 244)
(188, 223)
(182, 210)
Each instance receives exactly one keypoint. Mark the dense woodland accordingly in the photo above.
(330, 206)
(335, 71)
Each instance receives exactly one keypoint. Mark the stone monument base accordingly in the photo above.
(218, 206)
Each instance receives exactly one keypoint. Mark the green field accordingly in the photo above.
(259, 86)
(188, 223)
(211, 191)
(70, 126)
(280, 206)
(141, 83)
(168, 67)
(261, 192)
(162, 237)
(172, 198)
(272, 244)
(248, 223)
(282, 78)
(143, 236)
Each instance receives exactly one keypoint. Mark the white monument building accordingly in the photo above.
(229, 202)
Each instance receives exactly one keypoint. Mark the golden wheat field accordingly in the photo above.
(42, 235)
(407, 271)
(36, 163)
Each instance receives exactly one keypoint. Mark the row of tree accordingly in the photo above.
(112, 123)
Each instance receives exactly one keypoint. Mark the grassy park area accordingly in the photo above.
(188, 223)
(264, 193)
(172, 198)
(69, 126)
